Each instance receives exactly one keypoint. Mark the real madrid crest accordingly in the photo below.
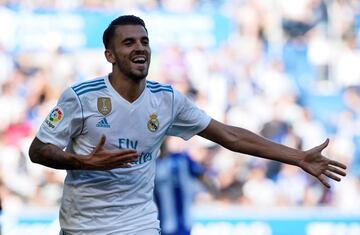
(153, 124)
(104, 105)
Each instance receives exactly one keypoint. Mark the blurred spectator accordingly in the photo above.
(231, 186)
(309, 129)
(294, 195)
(347, 70)
(7, 65)
(258, 190)
(175, 187)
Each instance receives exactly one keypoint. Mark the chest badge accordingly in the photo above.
(153, 123)
(104, 105)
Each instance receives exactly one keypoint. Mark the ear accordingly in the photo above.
(109, 56)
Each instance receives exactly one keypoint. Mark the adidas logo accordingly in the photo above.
(103, 123)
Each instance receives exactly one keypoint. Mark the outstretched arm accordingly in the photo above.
(99, 159)
(244, 141)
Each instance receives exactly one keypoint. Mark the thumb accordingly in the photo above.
(323, 145)
(100, 144)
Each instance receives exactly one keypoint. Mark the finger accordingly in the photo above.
(324, 145)
(338, 164)
(125, 165)
(331, 175)
(323, 180)
(131, 156)
(129, 159)
(336, 170)
(100, 144)
(125, 151)
(122, 165)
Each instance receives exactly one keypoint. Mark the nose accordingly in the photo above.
(139, 46)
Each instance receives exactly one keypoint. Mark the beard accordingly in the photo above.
(135, 75)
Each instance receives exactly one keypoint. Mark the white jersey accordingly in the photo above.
(118, 201)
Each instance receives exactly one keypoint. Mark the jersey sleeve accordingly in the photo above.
(64, 121)
(188, 120)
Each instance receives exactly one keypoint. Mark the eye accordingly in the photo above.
(128, 42)
(145, 42)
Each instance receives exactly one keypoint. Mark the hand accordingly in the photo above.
(102, 159)
(321, 167)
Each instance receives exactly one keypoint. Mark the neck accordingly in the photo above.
(126, 87)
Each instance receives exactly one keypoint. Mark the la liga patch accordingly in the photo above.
(54, 118)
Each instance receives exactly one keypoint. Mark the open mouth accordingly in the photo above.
(139, 60)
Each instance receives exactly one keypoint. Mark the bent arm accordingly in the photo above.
(52, 156)
(99, 159)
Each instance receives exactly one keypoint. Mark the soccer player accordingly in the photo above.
(175, 175)
(112, 128)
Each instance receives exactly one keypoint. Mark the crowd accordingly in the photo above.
(290, 71)
(105, 5)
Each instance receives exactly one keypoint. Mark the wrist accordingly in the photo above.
(77, 161)
(298, 158)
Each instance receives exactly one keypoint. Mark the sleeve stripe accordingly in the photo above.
(88, 90)
(158, 85)
(151, 82)
(155, 87)
(82, 113)
(169, 89)
(88, 85)
(84, 86)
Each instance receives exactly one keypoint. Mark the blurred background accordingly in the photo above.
(288, 70)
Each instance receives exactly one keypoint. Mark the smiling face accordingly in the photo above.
(129, 52)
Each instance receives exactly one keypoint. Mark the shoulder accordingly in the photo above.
(163, 90)
(89, 86)
(156, 87)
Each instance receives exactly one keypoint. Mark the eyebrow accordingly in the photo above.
(132, 38)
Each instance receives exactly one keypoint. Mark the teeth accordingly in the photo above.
(139, 60)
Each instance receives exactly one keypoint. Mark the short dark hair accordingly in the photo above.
(121, 20)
